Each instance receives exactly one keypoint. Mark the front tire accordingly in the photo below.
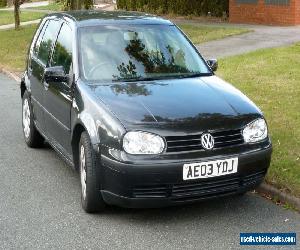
(32, 137)
(91, 199)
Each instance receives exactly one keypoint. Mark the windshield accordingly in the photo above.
(140, 52)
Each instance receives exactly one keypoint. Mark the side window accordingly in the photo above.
(40, 37)
(43, 48)
(62, 55)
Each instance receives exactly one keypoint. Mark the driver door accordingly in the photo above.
(58, 96)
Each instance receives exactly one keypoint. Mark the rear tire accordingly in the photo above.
(91, 198)
(32, 136)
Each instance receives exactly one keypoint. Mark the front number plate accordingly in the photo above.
(210, 169)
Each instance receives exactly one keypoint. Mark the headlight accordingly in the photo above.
(255, 131)
(137, 142)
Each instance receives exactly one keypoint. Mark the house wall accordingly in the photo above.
(272, 12)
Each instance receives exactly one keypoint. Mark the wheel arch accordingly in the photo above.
(25, 84)
(85, 123)
(76, 135)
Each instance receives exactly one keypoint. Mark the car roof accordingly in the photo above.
(96, 17)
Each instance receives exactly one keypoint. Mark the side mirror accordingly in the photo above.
(213, 64)
(56, 74)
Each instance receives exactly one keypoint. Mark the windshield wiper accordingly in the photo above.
(194, 75)
(161, 77)
(133, 79)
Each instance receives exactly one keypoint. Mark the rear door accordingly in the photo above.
(37, 64)
(58, 96)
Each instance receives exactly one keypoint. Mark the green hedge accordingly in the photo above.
(180, 7)
(3, 3)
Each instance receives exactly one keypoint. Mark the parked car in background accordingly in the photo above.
(128, 101)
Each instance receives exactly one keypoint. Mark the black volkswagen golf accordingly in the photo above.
(128, 101)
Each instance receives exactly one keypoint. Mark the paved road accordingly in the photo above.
(40, 205)
(12, 25)
(261, 37)
(34, 4)
(29, 5)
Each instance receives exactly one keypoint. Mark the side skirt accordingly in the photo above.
(66, 157)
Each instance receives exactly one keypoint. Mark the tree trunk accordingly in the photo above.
(88, 4)
(72, 4)
(17, 13)
(78, 4)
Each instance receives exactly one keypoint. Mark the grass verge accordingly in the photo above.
(200, 34)
(51, 7)
(271, 78)
(13, 47)
(7, 17)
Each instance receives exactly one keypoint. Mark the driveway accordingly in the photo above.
(261, 37)
(40, 205)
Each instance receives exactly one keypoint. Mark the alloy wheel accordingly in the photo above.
(83, 171)
(26, 118)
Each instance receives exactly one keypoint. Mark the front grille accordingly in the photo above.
(200, 189)
(193, 142)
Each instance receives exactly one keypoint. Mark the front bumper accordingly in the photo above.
(158, 185)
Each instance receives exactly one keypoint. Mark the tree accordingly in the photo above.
(17, 13)
(87, 4)
(78, 4)
(3, 3)
(17, 4)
